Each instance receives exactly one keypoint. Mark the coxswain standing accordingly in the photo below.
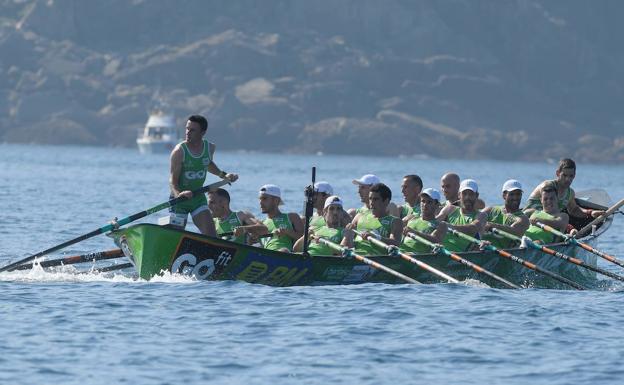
(189, 162)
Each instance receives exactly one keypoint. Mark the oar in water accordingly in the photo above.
(394, 251)
(350, 254)
(463, 261)
(558, 254)
(112, 226)
(518, 260)
(91, 257)
(582, 245)
(106, 269)
(600, 219)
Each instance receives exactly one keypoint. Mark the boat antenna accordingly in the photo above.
(309, 210)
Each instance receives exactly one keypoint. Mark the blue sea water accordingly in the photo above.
(73, 327)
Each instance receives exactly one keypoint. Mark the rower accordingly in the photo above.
(285, 227)
(425, 225)
(364, 184)
(466, 218)
(235, 224)
(507, 217)
(376, 221)
(322, 190)
(332, 230)
(449, 183)
(410, 188)
(565, 174)
(550, 215)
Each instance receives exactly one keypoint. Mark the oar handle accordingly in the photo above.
(552, 230)
(375, 239)
(600, 219)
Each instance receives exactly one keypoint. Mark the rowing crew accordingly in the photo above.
(423, 214)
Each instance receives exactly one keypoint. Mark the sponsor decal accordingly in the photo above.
(201, 258)
(193, 175)
(272, 270)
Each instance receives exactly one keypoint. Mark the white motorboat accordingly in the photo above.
(159, 135)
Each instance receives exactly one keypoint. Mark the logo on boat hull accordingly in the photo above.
(200, 258)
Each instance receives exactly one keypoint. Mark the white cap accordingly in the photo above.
(512, 185)
(272, 190)
(468, 184)
(368, 180)
(431, 193)
(323, 187)
(333, 200)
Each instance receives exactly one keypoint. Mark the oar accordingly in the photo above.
(110, 268)
(463, 261)
(111, 226)
(558, 254)
(91, 257)
(582, 245)
(600, 219)
(393, 251)
(512, 257)
(346, 252)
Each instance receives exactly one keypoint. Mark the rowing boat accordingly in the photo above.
(154, 250)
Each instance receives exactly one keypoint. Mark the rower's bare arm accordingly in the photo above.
(352, 213)
(573, 208)
(349, 234)
(444, 213)
(534, 197)
(396, 233)
(479, 204)
(520, 225)
(407, 218)
(297, 224)
(175, 161)
(298, 247)
(438, 234)
(215, 170)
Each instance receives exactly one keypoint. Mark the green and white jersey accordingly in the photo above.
(409, 245)
(277, 242)
(193, 173)
(537, 234)
(381, 226)
(227, 225)
(317, 221)
(498, 215)
(333, 234)
(406, 210)
(564, 199)
(453, 242)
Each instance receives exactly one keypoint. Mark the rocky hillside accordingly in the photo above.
(524, 79)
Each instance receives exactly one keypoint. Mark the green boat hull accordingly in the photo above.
(154, 250)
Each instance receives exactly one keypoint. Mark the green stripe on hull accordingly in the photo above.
(154, 249)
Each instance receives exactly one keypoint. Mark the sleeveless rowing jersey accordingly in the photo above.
(537, 234)
(406, 210)
(316, 221)
(381, 226)
(329, 233)
(193, 172)
(498, 215)
(411, 246)
(227, 225)
(453, 242)
(362, 210)
(564, 199)
(279, 222)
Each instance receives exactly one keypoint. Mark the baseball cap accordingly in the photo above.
(512, 185)
(323, 187)
(272, 190)
(333, 200)
(368, 180)
(468, 184)
(431, 193)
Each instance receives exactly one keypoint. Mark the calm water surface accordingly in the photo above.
(75, 328)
